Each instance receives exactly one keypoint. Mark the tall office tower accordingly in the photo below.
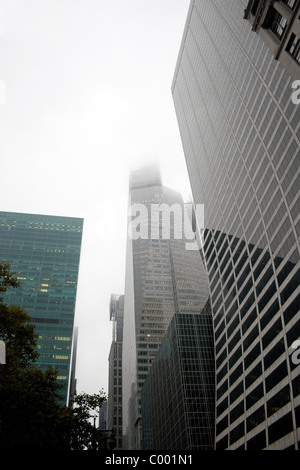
(162, 278)
(44, 252)
(240, 131)
(114, 409)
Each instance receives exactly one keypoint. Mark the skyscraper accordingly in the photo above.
(44, 252)
(114, 411)
(178, 395)
(240, 131)
(162, 278)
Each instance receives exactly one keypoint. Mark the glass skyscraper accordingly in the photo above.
(162, 278)
(178, 395)
(44, 252)
(240, 130)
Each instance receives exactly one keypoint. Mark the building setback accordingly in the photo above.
(240, 132)
(44, 252)
(162, 278)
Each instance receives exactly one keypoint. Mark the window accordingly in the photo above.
(275, 22)
(278, 25)
(289, 3)
(293, 47)
(280, 428)
(254, 7)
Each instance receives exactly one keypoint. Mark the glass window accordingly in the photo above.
(289, 3)
(254, 396)
(293, 47)
(275, 22)
(280, 428)
(278, 401)
(257, 442)
(255, 418)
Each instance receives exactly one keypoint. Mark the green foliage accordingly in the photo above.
(7, 279)
(31, 417)
(17, 331)
(87, 404)
(86, 436)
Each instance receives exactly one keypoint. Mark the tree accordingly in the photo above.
(18, 333)
(31, 416)
(85, 435)
(7, 279)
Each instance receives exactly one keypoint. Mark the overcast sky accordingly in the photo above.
(85, 94)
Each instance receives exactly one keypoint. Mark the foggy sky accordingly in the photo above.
(88, 95)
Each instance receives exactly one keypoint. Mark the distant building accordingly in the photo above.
(103, 417)
(162, 278)
(240, 132)
(114, 411)
(44, 252)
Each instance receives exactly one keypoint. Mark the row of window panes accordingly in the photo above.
(293, 47)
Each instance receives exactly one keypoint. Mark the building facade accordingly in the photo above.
(277, 23)
(178, 395)
(240, 131)
(44, 252)
(162, 278)
(114, 410)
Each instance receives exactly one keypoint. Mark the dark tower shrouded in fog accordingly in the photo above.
(162, 278)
